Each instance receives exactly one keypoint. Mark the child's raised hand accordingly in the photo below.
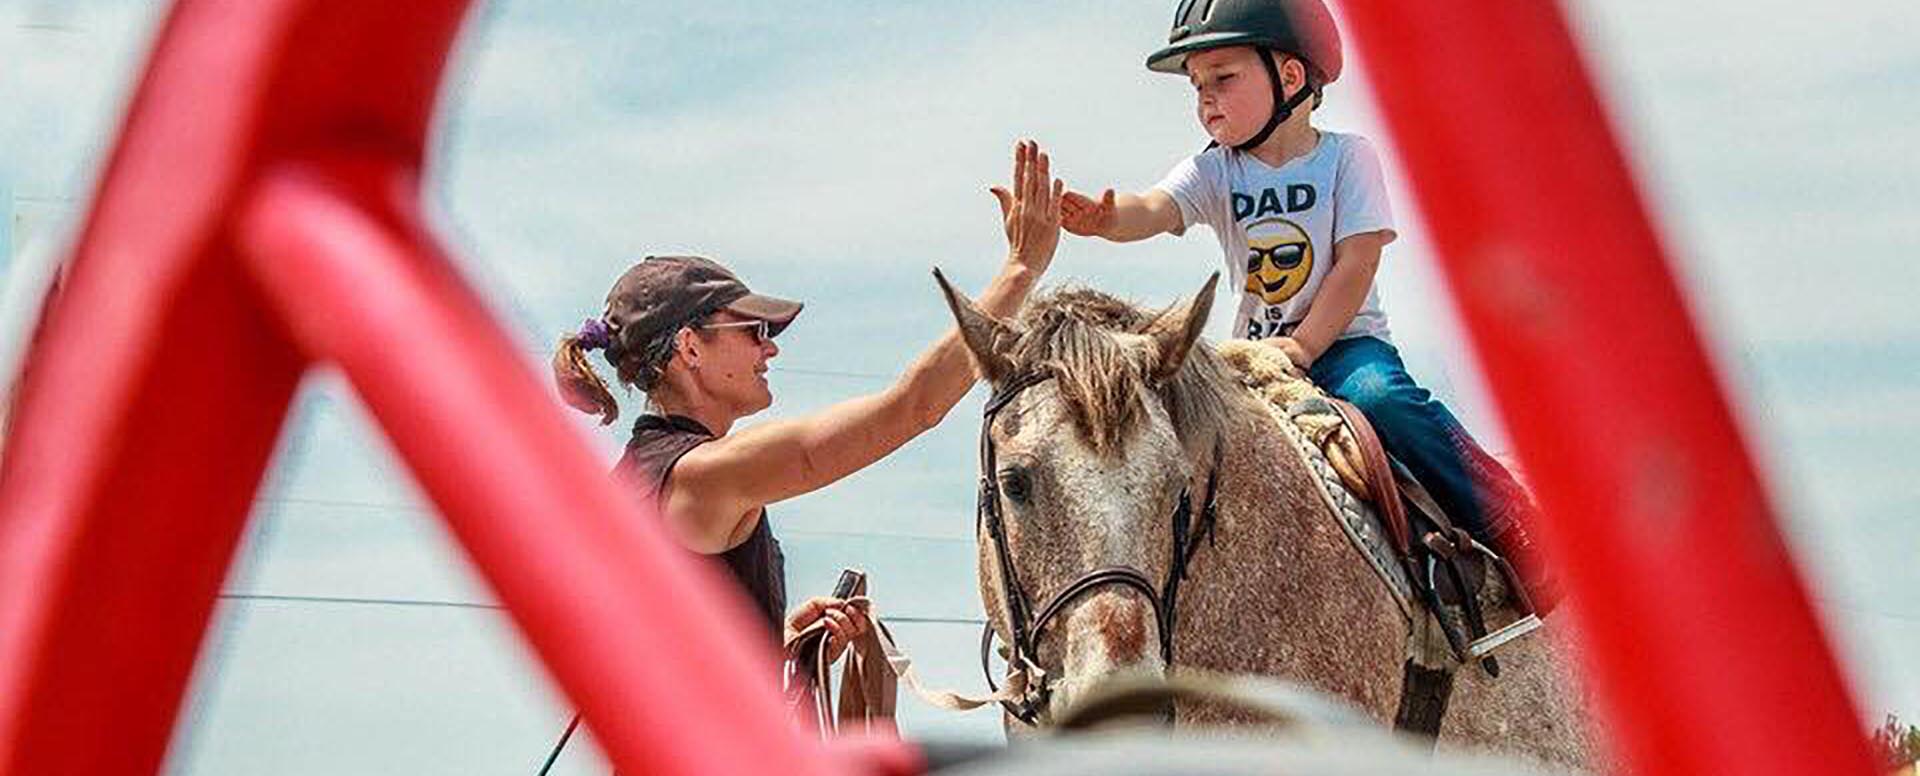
(1032, 209)
(1081, 215)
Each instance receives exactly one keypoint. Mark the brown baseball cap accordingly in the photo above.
(666, 292)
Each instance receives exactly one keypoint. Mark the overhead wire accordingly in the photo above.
(788, 531)
(446, 604)
(798, 370)
(1903, 616)
(811, 372)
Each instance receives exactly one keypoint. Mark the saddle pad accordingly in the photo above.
(1357, 519)
(1301, 411)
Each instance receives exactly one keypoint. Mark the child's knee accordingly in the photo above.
(1371, 389)
(1390, 399)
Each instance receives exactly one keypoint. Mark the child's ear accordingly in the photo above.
(1293, 75)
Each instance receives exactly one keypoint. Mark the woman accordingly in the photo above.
(689, 333)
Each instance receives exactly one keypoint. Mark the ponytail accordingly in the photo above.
(580, 385)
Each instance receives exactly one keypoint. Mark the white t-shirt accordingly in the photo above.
(1278, 226)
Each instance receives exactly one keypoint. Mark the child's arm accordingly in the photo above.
(1355, 259)
(1120, 218)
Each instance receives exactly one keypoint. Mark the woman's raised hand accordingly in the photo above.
(1031, 210)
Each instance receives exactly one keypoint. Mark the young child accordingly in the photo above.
(1302, 215)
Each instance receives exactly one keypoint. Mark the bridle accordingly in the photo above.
(1024, 627)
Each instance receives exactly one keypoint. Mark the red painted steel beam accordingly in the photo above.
(170, 356)
(133, 454)
(1701, 636)
(120, 517)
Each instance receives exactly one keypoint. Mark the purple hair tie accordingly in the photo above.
(594, 334)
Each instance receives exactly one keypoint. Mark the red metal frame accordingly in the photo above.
(1702, 639)
(260, 214)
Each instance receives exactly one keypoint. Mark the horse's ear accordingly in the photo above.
(987, 337)
(1175, 331)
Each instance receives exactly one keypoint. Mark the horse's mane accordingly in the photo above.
(1091, 344)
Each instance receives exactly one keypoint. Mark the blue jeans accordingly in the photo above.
(1477, 492)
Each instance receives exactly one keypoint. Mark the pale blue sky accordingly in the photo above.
(835, 152)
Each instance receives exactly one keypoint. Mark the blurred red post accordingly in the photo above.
(1704, 645)
(260, 213)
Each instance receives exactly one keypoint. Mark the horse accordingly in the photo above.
(1134, 482)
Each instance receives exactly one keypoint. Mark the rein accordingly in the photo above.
(1024, 627)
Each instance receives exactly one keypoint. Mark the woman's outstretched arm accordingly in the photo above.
(716, 492)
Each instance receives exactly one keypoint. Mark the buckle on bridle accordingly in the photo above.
(1029, 682)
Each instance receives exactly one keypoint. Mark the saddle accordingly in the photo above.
(1448, 569)
(1455, 565)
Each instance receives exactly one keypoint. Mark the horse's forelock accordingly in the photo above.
(1080, 337)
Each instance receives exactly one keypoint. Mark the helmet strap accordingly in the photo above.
(1282, 106)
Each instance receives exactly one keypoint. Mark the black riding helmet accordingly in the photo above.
(1302, 29)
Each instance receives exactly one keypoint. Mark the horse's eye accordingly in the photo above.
(1016, 485)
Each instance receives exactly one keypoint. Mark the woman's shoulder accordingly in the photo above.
(658, 442)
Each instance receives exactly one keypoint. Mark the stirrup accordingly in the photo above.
(1485, 645)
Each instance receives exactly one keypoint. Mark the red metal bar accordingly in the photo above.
(164, 373)
(122, 509)
(661, 665)
(133, 453)
(1704, 644)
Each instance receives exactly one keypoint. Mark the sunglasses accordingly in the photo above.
(1283, 257)
(761, 330)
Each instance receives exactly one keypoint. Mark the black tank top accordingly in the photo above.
(757, 563)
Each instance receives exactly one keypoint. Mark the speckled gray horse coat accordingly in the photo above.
(1091, 463)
